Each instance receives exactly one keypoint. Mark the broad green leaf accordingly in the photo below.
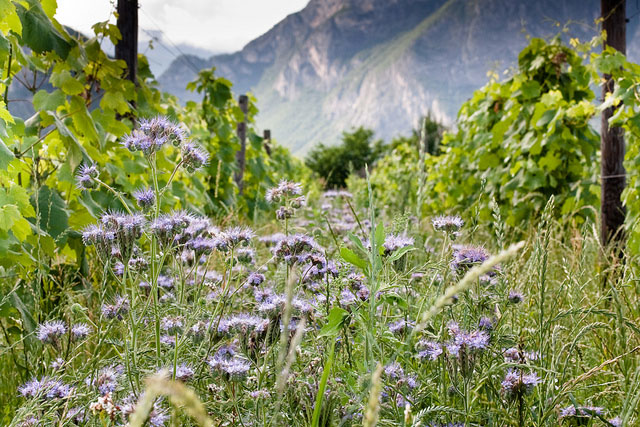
(48, 101)
(116, 101)
(38, 31)
(337, 316)
(5, 156)
(530, 89)
(10, 20)
(82, 120)
(351, 257)
(9, 214)
(53, 216)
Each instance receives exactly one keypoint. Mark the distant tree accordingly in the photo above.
(335, 163)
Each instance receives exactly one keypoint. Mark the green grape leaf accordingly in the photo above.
(38, 31)
(48, 101)
(9, 214)
(53, 216)
(10, 20)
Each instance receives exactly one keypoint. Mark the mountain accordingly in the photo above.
(383, 63)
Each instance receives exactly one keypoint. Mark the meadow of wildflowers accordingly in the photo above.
(329, 312)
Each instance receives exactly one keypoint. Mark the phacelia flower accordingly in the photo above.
(50, 332)
(80, 331)
(117, 310)
(400, 326)
(516, 383)
(430, 350)
(447, 224)
(515, 297)
(229, 364)
(172, 324)
(86, 177)
(255, 279)
(465, 257)
(193, 157)
(394, 242)
(145, 197)
(284, 190)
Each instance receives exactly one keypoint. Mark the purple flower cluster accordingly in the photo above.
(86, 176)
(400, 326)
(466, 342)
(145, 197)
(429, 350)
(284, 190)
(116, 236)
(50, 332)
(228, 363)
(153, 134)
(393, 242)
(580, 412)
(465, 257)
(46, 388)
(172, 324)
(243, 324)
(106, 380)
(295, 249)
(117, 310)
(193, 157)
(448, 224)
(516, 383)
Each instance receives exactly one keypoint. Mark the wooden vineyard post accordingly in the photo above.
(612, 138)
(243, 102)
(127, 48)
(266, 141)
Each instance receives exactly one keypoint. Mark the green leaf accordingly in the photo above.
(38, 31)
(351, 257)
(9, 214)
(400, 252)
(53, 216)
(5, 156)
(48, 101)
(10, 20)
(82, 121)
(357, 242)
(337, 316)
(530, 89)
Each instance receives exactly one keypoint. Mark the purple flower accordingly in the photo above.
(400, 326)
(515, 297)
(284, 190)
(516, 383)
(394, 242)
(447, 224)
(485, 324)
(229, 364)
(243, 324)
(184, 372)
(80, 331)
(86, 177)
(117, 310)
(255, 279)
(51, 331)
(394, 371)
(106, 381)
(45, 388)
(464, 341)
(465, 257)
(580, 411)
(193, 157)
(145, 197)
(431, 350)
(172, 324)
(347, 297)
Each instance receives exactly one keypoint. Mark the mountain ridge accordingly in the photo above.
(382, 64)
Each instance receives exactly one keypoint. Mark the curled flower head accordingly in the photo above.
(448, 224)
(284, 190)
(228, 363)
(394, 242)
(516, 383)
(465, 257)
(295, 249)
(172, 324)
(255, 279)
(145, 197)
(45, 388)
(168, 227)
(430, 350)
(86, 177)
(117, 310)
(80, 331)
(193, 157)
(51, 332)
(580, 413)
(515, 297)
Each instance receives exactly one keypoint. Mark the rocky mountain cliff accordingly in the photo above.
(383, 63)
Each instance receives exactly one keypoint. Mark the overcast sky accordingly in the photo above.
(215, 25)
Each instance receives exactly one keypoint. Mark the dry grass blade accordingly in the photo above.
(467, 281)
(373, 407)
(179, 395)
(569, 384)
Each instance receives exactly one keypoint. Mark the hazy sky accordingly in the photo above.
(216, 25)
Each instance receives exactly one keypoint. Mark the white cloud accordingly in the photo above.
(215, 25)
